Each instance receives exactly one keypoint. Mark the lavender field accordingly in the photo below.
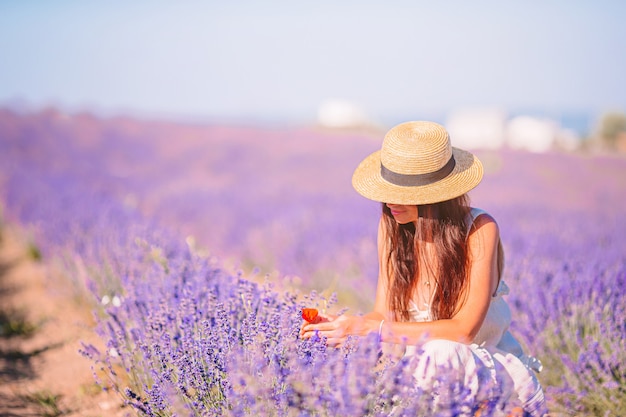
(198, 246)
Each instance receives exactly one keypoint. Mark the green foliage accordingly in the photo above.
(46, 402)
(612, 124)
(568, 363)
(33, 252)
(13, 323)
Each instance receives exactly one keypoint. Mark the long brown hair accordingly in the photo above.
(444, 224)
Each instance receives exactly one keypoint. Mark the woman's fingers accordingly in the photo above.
(309, 329)
(331, 330)
(330, 338)
(334, 329)
(312, 326)
(322, 326)
(320, 318)
(302, 327)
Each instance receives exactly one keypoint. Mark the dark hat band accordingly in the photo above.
(416, 180)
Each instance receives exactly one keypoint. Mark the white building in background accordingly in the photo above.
(337, 113)
(477, 128)
(491, 129)
(531, 133)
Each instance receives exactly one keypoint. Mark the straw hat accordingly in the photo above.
(417, 165)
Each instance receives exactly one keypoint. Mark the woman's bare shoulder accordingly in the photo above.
(486, 225)
(484, 218)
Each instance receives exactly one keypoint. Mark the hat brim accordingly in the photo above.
(467, 174)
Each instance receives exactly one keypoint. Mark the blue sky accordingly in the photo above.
(278, 60)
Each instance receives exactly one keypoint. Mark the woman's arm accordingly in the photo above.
(463, 327)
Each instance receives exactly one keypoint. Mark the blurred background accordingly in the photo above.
(532, 74)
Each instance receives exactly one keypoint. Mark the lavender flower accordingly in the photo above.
(178, 233)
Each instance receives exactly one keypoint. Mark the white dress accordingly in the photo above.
(494, 348)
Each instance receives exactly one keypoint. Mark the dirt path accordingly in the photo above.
(41, 328)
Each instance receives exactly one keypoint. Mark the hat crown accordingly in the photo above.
(416, 148)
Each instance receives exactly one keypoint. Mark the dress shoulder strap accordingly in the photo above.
(472, 216)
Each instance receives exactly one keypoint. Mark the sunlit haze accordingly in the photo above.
(280, 60)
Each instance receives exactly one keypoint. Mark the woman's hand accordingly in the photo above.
(336, 329)
(306, 332)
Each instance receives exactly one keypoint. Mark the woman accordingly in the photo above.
(440, 264)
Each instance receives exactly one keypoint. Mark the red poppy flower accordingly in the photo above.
(309, 314)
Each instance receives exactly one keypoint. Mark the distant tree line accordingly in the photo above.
(611, 132)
